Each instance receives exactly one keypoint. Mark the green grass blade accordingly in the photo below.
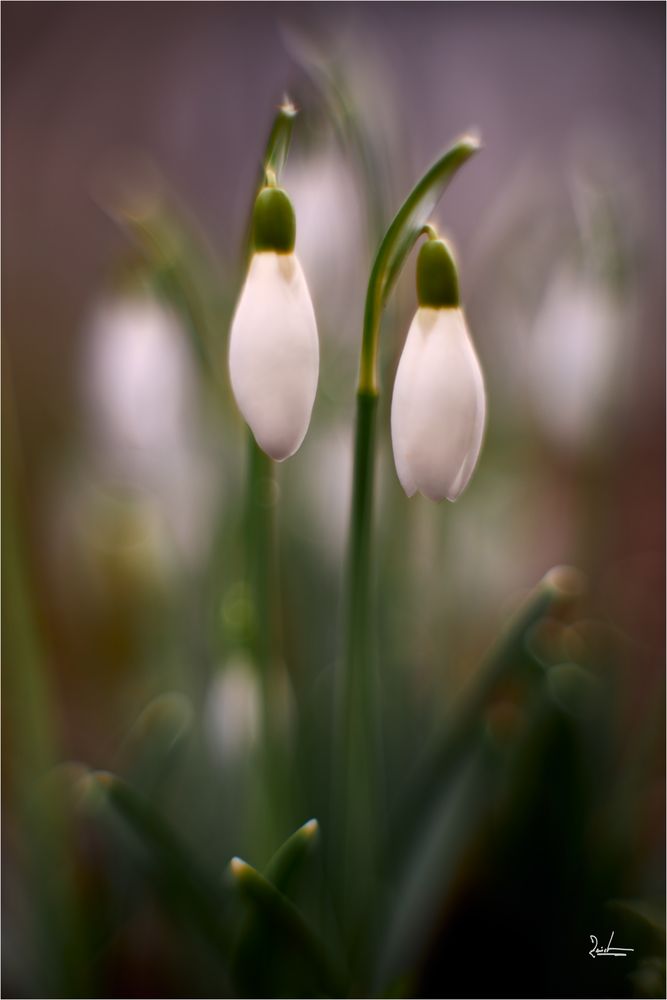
(438, 853)
(288, 958)
(277, 146)
(507, 658)
(156, 741)
(289, 858)
(176, 874)
(43, 837)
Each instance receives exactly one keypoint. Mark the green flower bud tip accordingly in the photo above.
(273, 222)
(437, 280)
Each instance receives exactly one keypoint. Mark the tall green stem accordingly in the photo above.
(357, 729)
(258, 543)
(260, 546)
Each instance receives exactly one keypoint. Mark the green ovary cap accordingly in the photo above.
(437, 280)
(273, 221)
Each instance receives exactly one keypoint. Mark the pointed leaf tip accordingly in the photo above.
(238, 868)
(567, 582)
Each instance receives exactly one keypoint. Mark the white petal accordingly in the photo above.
(274, 353)
(438, 407)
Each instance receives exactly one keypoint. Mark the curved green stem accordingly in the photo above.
(358, 757)
(408, 224)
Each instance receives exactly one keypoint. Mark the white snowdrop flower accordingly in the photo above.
(274, 350)
(439, 404)
(145, 423)
(233, 712)
(138, 374)
(574, 358)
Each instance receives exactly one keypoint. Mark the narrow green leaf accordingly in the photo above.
(173, 256)
(507, 657)
(277, 146)
(167, 860)
(425, 878)
(43, 840)
(258, 936)
(259, 970)
(646, 917)
(490, 779)
(155, 741)
(369, 149)
(287, 860)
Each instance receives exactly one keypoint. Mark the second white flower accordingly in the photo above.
(439, 405)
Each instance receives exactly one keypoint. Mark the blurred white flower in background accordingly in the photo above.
(141, 393)
(139, 378)
(233, 711)
(574, 357)
(330, 236)
(562, 298)
(321, 490)
(234, 707)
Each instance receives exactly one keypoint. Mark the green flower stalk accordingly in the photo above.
(357, 777)
(266, 321)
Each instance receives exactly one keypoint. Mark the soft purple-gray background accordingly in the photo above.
(193, 86)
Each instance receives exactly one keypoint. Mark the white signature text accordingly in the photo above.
(598, 951)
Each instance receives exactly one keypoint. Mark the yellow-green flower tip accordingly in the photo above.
(273, 222)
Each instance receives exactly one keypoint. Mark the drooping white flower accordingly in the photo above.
(439, 405)
(274, 350)
(233, 712)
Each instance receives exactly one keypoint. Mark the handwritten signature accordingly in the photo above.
(599, 952)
